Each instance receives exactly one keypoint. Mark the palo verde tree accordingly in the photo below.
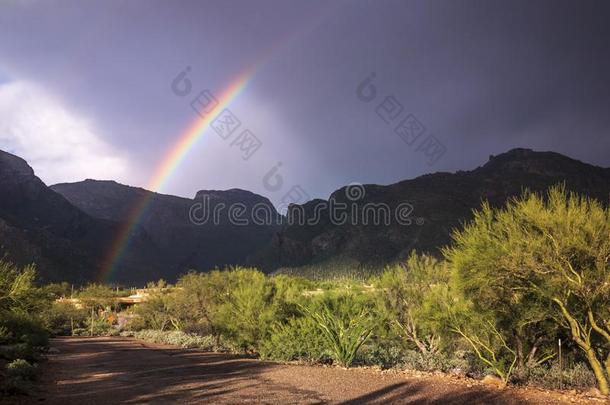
(247, 312)
(545, 258)
(21, 302)
(450, 313)
(402, 291)
(18, 291)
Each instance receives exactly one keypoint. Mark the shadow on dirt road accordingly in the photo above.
(123, 370)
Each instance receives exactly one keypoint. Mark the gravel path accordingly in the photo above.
(124, 370)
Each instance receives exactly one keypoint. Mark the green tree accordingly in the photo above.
(155, 312)
(18, 291)
(545, 258)
(21, 303)
(402, 291)
(195, 302)
(453, 314)
(62, 318)
(97, 297)
(248, 310)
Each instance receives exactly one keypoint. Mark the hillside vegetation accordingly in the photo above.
(514, 281)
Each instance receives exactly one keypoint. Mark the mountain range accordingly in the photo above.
(69, 230)
(440, 203)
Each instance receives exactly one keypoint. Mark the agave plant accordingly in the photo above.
(345, 333)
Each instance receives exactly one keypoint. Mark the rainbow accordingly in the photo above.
(164, 172)
(190, 137)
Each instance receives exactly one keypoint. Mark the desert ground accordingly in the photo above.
(110, 370)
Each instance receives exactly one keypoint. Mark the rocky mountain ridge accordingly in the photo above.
(441, 202)
(68, 229)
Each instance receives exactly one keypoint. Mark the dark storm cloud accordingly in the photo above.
(482, 76)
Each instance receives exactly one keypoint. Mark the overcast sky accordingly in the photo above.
(86, 87)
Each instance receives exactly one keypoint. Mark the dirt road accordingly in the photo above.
(124, 370)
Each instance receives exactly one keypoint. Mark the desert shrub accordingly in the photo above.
(444, 362)
(24, 328)
(393, 356)
(155, 312)
(62, 317)
(100, 303)
(13, 351)
(82, 332)
(200, 329)
(20, 303)
(177, 338)
(402, 290)
(238, 305)
(98, 297)
(99, 326)
(19, 375)
(21, 368)
(18, 290)
(96, 326)
(57, 290)
(383, 355)
(194, 306)
(473, 328)
(298, 339)
(22, 334)
(134, 324)
(16, 351)
(16, 385)
(248, 311)
(576, 376)
(288, 293)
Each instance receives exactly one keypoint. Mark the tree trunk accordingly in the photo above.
(583, 340)
(608, 368)
(531, 357)
(520, 357)
(606, 334)
(602, 380)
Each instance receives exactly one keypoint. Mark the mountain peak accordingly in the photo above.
(534, 162)
(523, 153)
(519, 152)
(12, 165)
(440, 202)
(234, 195)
